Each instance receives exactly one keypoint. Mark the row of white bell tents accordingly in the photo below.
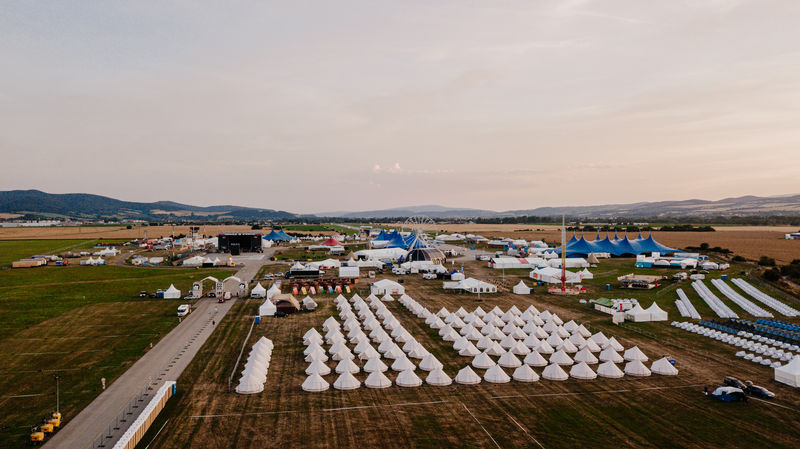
(254, 374)
(376, 379)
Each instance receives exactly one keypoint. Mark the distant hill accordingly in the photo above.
(431, 211)
(87, 206)
(746, 205)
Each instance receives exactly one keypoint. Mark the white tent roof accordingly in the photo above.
(408, 378)
(467, 377)
(496, 375)
(375, 364)
(377, 379)
(585, 356)
(274, 290)
(635, 353)
(521, 289)
(535, 359)
(439, 378)
(610, 355)
(656, 313)
(346, 381)
(509, 360)
(258, 291)
(315, 383)
(560, 357)
(267, 309)
(636, 368)
(663, 367)
(430, 363)
(525, 374)
(637, 313)
(554, 372)
(789, 374)
(319, 367)
(582, 371)
(610, 370)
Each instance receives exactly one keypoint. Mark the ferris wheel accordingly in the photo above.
(416, 223)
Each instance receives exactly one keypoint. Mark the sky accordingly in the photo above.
(360, 105)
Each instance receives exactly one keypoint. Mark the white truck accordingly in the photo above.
(183, 309)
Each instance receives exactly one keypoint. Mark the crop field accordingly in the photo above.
(645, 412)
(112, 232)
(11, 250)
(83, 323)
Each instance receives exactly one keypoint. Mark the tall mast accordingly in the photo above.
(563, 255)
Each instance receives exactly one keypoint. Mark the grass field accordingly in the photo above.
(647, 412)
(84, 323)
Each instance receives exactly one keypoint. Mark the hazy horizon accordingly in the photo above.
(316, 107)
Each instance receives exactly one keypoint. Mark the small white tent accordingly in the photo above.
(663, 367)
(789, 374)
(554, 372)
(274, 290)
(467, 377)
(172, 293)
(582, 371)
(386, 287)
(377, 379)
(315, 383)
(267, 309)
(522, 289)
(637, 314)
(656, 313)
(258, 291)
(609, 370)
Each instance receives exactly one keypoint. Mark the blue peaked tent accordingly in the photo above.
(279, 236)
(383, 236)
(617, 247)
(396, 241)
(414, 242)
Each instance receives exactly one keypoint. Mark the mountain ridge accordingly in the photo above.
(90, 206)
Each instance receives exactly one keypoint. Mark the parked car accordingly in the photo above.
(734, 382)
(757, 390)
(429, 276)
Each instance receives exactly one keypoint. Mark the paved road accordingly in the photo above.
(165, 361)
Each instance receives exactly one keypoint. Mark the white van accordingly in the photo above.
(183, 309)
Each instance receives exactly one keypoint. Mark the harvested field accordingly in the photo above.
(84, 323)
(647, 412)
(121, 232)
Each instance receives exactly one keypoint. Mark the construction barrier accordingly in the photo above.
(136, 431)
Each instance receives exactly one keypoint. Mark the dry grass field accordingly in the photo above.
(83, 323)
(121, 232)
(629, 412)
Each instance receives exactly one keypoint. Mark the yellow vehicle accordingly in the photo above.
(46, 427)
(37, 436)
(55, 420)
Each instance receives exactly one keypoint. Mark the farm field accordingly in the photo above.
(84, 323)
(647, 412)
(11, 250)
(121, 232)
